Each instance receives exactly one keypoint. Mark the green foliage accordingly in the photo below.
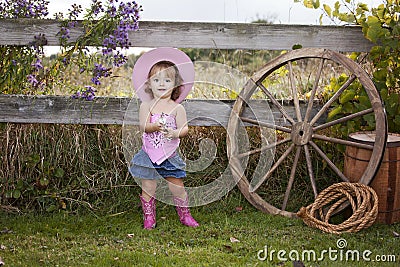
(352, 100)
(381, 26)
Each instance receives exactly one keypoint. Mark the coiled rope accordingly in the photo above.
(362, 199)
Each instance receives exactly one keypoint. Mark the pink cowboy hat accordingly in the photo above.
(147, 60)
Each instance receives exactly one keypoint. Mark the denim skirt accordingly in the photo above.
(142, 167)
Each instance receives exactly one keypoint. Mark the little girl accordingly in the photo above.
(163, 121)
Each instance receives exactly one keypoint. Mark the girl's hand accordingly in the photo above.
(157, 126)
(171, 133)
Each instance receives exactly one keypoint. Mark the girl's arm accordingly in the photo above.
(181, 123)
(144, 119)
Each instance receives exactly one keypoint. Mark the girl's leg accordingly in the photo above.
(148, 203)
(181, 201)
(176, 187)
(148, 188)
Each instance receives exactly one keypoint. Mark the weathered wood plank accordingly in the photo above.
(60, 109)
(106, 110)
(204, 35)
(249, 36)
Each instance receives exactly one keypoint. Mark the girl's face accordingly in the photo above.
(162, 84)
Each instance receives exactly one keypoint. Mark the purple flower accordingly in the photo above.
(95, 80)
(88, 94)
(76, 95)
(127, 15)
(64, 33)
(65, 61)
(25, 9)
(96, 7)
(74, 12)
(119, 59)
(98, 72)
(32, 79)
(112, 11)
(38, 64)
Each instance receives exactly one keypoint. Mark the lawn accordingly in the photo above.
(232, 233)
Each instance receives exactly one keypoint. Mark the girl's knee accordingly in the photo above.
(149, 186)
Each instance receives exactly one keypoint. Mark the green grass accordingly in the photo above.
(88, 239)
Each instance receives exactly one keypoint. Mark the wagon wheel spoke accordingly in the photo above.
(276, 103)
(259, 150)
(291, 179)
(342, 142)
(329, 162)
(333, 99)
(310, 170)
(294, 92)
(266, 124)
(272, 169)
(314, 91)
(344, 119)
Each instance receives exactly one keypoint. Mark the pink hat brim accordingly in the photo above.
(147, 60)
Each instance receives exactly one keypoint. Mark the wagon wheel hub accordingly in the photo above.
(301, 133)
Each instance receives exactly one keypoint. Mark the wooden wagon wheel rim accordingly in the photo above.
(303, 130)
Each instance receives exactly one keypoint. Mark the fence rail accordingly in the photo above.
(204, 35)
(120, 110)
(59, 109)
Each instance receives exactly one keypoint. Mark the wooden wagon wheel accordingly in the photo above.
(304, 131)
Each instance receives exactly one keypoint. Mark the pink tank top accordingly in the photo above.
(155, 144)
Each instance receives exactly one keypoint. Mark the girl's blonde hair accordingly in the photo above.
(172, 72)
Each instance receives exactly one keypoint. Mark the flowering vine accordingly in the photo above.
(106, 27)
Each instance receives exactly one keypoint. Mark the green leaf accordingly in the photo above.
(346, 17)
(308, 4)
(384, 94)
(354, 56)
(8, 194)
(394, 99)
(348, 107)
(59, 173)
(380, 74)
(297, 46)
(33, 159)
(362, 7)
(44, 181)
(311, 3)
(16, 193)
(364, 101)
(370, 119)
(20, 184)
(334, 112)
(374, 29)
(351, 125)
(397, 119)
(346, 96)
(51, 208)
(328, 10)
(336, 10)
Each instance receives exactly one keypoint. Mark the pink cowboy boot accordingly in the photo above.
(185, 217)
(149, 213)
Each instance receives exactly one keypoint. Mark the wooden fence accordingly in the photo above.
(247, 36)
